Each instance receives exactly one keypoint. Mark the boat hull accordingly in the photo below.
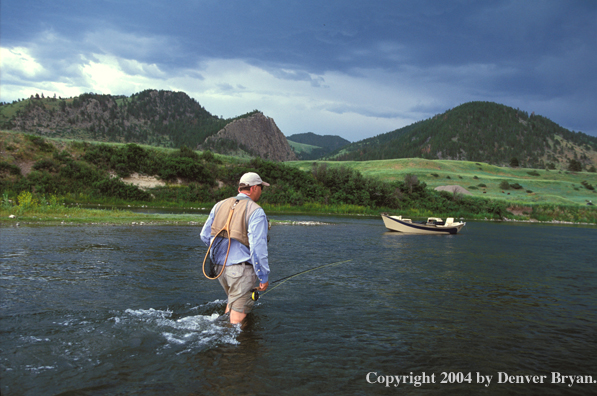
(393, 223)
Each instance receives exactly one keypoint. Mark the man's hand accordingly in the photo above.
(263, 286)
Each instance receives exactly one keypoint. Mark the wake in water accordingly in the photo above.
(97, 343)
(192, 333)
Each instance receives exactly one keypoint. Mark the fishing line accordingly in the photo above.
(255, 294)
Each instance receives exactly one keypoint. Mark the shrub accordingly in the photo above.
(46, 164)
(534, 173)
(208, 156)
(482, 185)
(434, 175)
(9, 168)
(26, 201)
(113, 187)
(40, 143)
(188, 153)
(516, 186)
(504, 185)
(587, 185)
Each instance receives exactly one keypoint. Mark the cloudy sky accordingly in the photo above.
(349, 68)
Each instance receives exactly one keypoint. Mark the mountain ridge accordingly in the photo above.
(480, 131)
(158, 118)
(475, 131)
(322, 144)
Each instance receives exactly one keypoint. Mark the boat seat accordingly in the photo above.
(449, 221)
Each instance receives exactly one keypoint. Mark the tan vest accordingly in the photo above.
(239, 224)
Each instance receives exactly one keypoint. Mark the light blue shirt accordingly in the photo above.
(239, 253)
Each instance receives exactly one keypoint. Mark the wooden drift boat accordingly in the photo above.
(433, 225)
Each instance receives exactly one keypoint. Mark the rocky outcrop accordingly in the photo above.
(453, 189)
(257, 134)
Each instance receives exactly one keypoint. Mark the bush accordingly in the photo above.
(40, 143)
(534, 173)
(516, 186)
(26, 201)
(46, 164)
(504, 185)
(185, 168)
(188, 153)
(208, 156)
(9, 168)
(113, 187)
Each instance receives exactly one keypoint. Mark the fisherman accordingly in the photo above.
(247, 260)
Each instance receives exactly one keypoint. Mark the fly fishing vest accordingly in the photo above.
(239, 224)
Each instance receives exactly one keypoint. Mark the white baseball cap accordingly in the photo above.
(251, 179)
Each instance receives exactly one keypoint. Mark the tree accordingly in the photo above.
(514, 162)
(410, 181)
(575, 166)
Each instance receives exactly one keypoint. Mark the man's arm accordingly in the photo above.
(206, 230)
(257, 232)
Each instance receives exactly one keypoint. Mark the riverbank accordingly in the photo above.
(76, 215)
(81, 216)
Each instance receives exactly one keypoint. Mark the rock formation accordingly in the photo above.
(258, 135)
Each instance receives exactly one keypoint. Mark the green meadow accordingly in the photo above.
(301, 147)
(481, 179)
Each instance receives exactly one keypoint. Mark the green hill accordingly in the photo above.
(480, 131)
(158, 118)
(309, 146)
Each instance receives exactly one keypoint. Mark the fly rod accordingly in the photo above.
(255, 294)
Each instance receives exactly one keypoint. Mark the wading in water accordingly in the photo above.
(236, 233)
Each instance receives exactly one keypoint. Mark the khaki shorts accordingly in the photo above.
(238, 281)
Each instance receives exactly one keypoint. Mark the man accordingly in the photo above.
(247, 260)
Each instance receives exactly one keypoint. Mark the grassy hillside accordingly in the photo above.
(310, 146)
(559, 187)
(481, 132)
(301, 148)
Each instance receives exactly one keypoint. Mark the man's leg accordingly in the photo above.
(237, 317)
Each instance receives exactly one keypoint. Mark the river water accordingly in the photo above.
(123, 310)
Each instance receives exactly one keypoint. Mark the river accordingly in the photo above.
(114, 310)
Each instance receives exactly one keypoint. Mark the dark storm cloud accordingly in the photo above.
(539, 55)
